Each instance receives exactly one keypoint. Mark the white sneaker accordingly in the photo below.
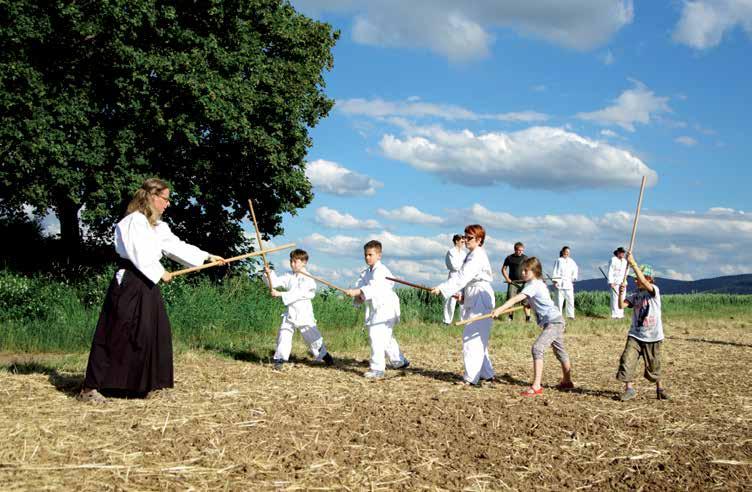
(374, 374)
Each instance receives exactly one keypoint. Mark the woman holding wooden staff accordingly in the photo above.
(132, 347)
(474, 279)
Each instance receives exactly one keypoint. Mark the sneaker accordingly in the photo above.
(662, 394)
(91, 396)
(527, 319)
(374, 374)
(628, 394)
(328, 360)
(278, 363)
(404, 364)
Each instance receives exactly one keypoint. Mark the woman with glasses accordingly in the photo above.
(474, 280)
(132, 348)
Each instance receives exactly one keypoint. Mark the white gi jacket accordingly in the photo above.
(297, 299)
(454, 260)
(565, 272)
(475, 277)
(382, 303)
(617, 269)
(136, 240)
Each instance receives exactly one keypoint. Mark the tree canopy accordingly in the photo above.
(216, 97)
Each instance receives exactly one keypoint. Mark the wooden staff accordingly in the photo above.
(486, 316)
(317, 279)
(417, 286)
(261, 246)
(229, 260)
(634, 225)
(606, 277)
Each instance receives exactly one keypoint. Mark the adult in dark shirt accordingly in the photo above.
(512, 272)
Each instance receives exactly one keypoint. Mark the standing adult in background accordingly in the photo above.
(132, 347)
(617, 269)
(455, 257)
(564, 276)
(512, 272)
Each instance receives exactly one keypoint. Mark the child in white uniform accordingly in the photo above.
(300, 290)
(382, 311)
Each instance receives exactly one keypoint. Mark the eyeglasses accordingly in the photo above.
(167, 200)
(469, 238)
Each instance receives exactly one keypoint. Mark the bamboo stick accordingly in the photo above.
(486, 316)
(417, 286)
(606, 277)
(634, 225)
(317, 279)
(260, 246)
(229, 260)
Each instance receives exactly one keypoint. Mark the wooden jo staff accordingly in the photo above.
(261, 246)
(634, 225)
(489, 315)
(417, 286)
(229, 260)
(317, 279)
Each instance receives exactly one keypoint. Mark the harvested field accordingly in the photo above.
(231, 423)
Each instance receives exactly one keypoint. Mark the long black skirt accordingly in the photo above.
(132, 347)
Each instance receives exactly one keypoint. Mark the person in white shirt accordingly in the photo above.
(549, 319)
(382, 312)
(474, 279)
(617, 271)
(132, 347)
(454, 259)
(564, 276)
(299, 291)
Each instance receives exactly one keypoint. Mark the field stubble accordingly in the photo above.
(233, 423)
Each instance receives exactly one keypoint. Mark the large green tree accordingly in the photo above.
(215, 96)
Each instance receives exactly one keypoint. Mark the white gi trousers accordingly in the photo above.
(383, 346)
(311, 336)
(616, 312)
(568, 296)
(475, 338)
(449, 305)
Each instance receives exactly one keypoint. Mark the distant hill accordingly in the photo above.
(731, 284)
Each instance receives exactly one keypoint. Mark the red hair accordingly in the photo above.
(478, 231)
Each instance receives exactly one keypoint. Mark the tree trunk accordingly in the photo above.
(70, 232)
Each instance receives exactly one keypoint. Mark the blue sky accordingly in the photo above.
(537, 120)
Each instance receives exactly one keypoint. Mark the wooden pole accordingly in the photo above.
(230, 260)
(486, 316)
(634, 224)
(258, 241)
(417, 286)
(317, 279)
(606, 277)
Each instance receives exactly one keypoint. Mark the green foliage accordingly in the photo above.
(216, 97)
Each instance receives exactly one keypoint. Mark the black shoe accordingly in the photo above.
(278, 364)
(527, 319)
(328, 360)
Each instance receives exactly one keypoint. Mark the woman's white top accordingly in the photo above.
(565, 273)
(454, 260)
(136, 240)
(475, 278)
(300, 290)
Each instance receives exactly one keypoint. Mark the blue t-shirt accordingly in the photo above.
(540, 300)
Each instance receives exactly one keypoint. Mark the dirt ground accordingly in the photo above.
(231, 423)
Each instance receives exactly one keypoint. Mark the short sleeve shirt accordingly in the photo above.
(514, 263)
(647, 325)
(540, 300)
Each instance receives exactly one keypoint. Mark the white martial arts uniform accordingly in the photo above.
(616, 271)
(136, 240)
(565, 274)
(475, 278)
(300, 290)
(382, 313)
(454, 260)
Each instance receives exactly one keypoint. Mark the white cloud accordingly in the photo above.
(575, 224)
(379, 108)
(633, 106)
(330, 177)
(539, 88)
(735, 269)
(609, 58)
(674, 275)
(685, 140)
(466, 33)
(411, 215)
(328, 217)
(537, 157)
(610, 133)
(703, 23)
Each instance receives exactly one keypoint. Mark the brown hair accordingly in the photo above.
(478, 231)
(533, 264)
(372, 244)
(561, 253)
(299, 254)
(141, 201)
(518, 245)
